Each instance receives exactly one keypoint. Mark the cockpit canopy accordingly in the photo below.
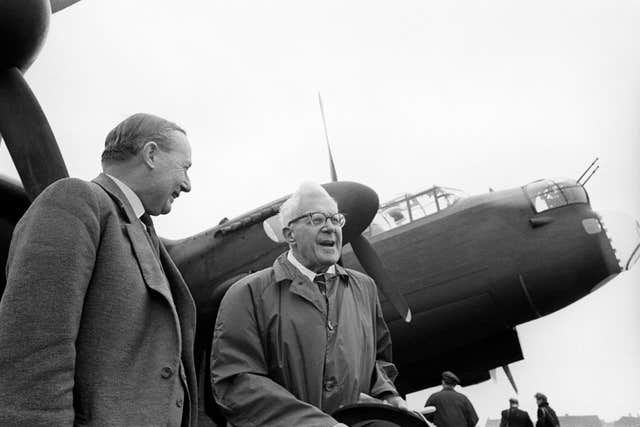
(547, 194)
(407, 208)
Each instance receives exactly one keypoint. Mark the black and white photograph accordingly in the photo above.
(292, 213)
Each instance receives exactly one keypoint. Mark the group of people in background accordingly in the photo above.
(454, 409)
(516, 417)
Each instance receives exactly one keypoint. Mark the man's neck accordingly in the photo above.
(130, 194)
(305, 270)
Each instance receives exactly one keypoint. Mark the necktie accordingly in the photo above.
(321, 281)
(151, 231)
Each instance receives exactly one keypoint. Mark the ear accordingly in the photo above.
(289, 237)
(150, 153)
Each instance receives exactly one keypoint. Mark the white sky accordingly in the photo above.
(465, 94)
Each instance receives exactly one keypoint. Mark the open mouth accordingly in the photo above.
(175, 194)
(327, 243)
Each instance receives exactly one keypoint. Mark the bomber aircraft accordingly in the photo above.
(456, 273)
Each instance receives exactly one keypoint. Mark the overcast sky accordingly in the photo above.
(465, 94)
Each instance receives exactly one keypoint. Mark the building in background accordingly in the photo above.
(627, 421)
(580, 421)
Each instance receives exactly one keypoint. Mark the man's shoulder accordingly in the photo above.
(438, 394)
(70, 190)
(453, 395)
(362, 280)
(359, 276)
(254, 283)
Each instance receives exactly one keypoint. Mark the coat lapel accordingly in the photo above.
(299, 284)
(185, 306)
(149, 265)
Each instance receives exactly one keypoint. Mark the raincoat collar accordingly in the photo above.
(285, 270)
(304, 270)
(301, 285)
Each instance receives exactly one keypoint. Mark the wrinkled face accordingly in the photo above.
(316, 247)
(170, 174)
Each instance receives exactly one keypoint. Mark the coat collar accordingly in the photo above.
(132, 197)
(117, 195)
(284, 270)
(300, 284)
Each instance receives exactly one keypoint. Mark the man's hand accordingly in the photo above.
(389, 399)
(396, 401)
(365, 398)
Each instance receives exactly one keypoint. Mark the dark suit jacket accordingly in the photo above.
(90, 327)
(515, 418)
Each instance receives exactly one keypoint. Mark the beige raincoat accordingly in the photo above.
(280, 359)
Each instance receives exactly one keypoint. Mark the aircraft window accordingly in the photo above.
(447, 197)
(379, 225)
(407, 208)
(547, 194)
(398, 214)
(427, 203)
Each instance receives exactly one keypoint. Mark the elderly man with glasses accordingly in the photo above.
(296, 341)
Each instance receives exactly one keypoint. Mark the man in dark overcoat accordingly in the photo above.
(453, 409)
(96, 322)
(514, 416)
(546, 415)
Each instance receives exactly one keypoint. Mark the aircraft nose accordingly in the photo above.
(624, 234)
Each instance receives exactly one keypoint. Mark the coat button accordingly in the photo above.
(167, 372)
(329, 384)
(179, 403)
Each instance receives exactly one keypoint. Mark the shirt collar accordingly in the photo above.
(132, 197)
(304, 270)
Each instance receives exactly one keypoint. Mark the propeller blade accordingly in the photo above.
(28, 135)
(507, 372)
(332, 166)
(58, 5)
(372, 264)
(363, 250)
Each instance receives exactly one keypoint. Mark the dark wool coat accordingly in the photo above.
(453, 409)
(515, 417)
(547, 416)
(89, 332)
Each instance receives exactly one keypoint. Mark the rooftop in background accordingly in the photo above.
(582, 421)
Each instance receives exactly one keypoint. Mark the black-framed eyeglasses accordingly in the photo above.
(319, 219)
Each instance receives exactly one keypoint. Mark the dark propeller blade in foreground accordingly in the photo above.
(372, 263)
(27, 134)
(23, 125)
(363, 250)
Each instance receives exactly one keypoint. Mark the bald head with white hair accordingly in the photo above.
(317, 247)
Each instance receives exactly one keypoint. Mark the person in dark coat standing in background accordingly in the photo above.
(453, 409)
(515, 417)
(546, 415)
(96, 323)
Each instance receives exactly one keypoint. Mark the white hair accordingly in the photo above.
(290, 208)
